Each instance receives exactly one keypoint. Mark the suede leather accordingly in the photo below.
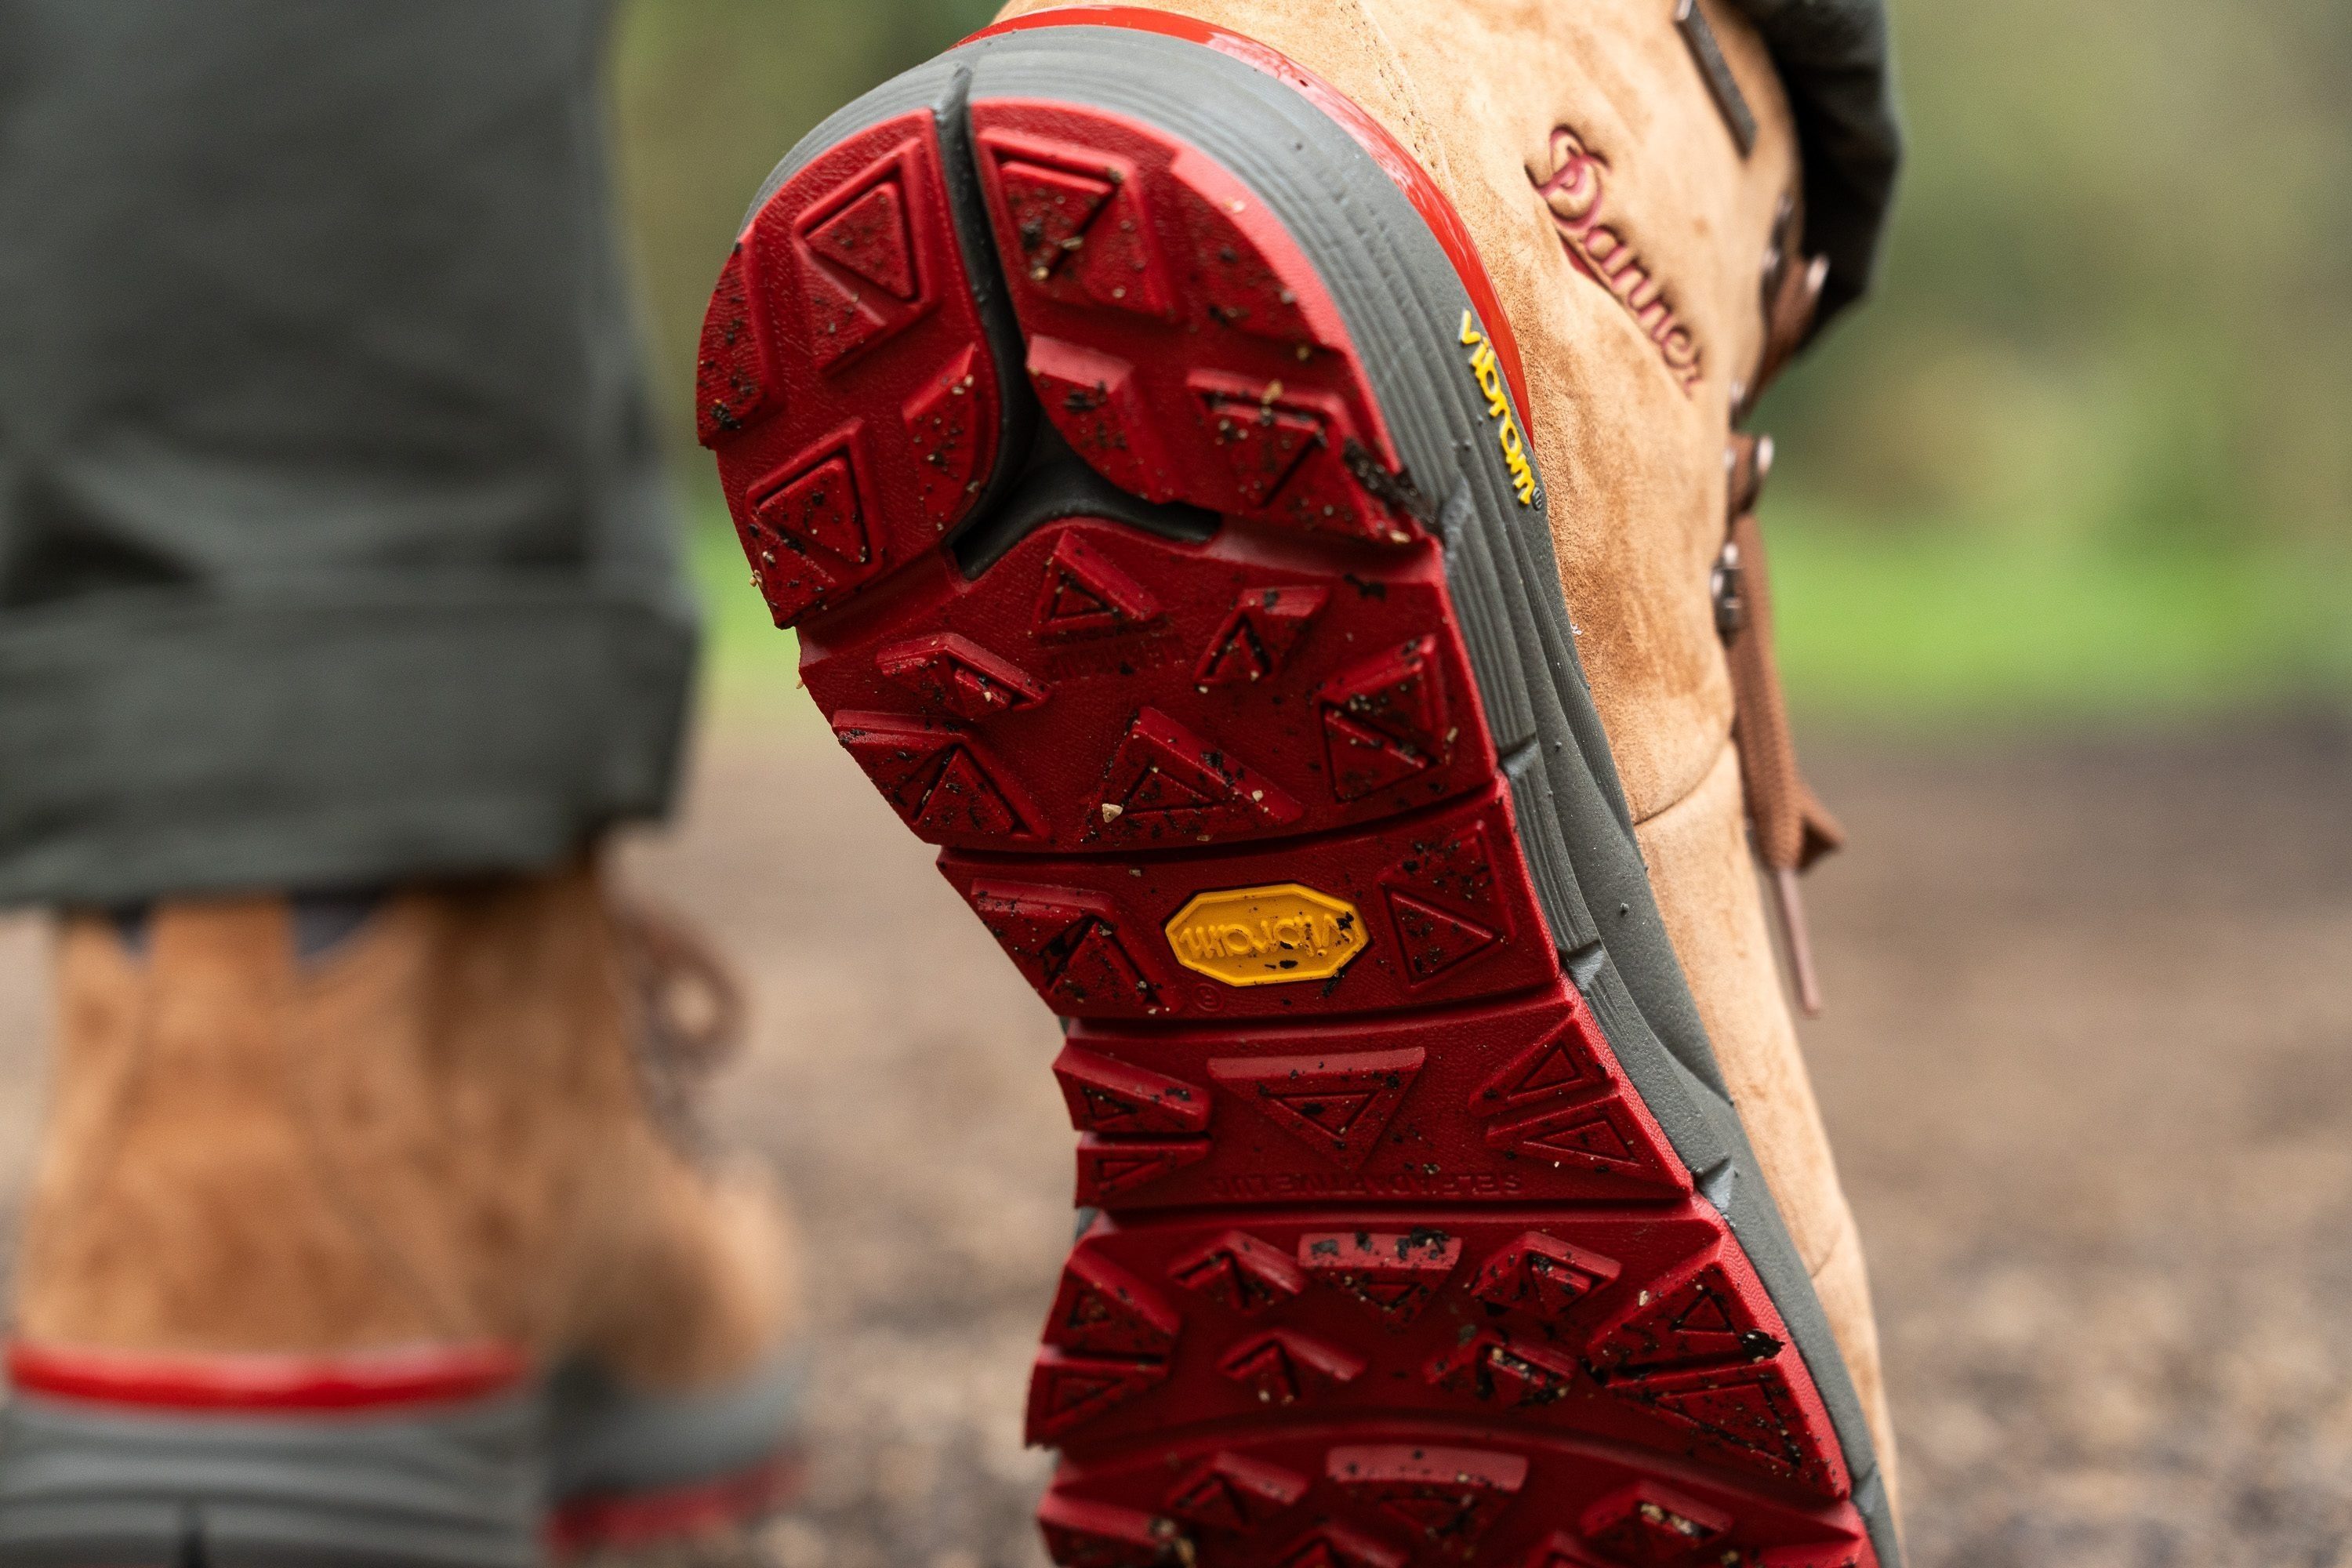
(1632, 458)
(434, 1134)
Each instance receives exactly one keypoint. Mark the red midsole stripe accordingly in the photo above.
(370, 1380)
(1394, 159)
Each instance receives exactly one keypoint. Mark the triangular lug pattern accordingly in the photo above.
(1166, 783)
(1294, 458)
(1092, 400)
(1602, 1135)
(1240, 1272)
(1233, 1493)
(1082, 1533)
(967, 802)
(859, 278)
(1284, 1367)
(1749, 1414)
(1492, 1368)
(869, 237)
(1085, 594)
(1704, 1319)
(1106, 1095)
(949, 422)
(1038, 927)
(841, 316)
(1387, 720)
(1066, 946)
(1101, 975)
(1541, 1275)
(1110, 1167)
(1050, 210)
(1263, 443)
(1434, 941)
(1337, 1105)
(818, 509)
(957, 674)
(932, 776)
(1334, 1545)
(1241, 288)
(731, 380)
(1563, 1062)
(1116, 264)
(1102, 1310)
(1079, 233)
(1395, 1273)
(1257, 638)
(1365, 761)
(1455, 871)
(1067, 1390)
(1448, 1498)
(904, 764)
(1648, 1525)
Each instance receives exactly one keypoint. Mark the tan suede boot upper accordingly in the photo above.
(1633, 384)
(436, 1133)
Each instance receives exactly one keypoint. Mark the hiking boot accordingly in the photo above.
(359, 1237)
(1265, 515)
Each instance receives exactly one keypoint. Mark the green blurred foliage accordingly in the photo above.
(707, 95)
(2118, 295)
(2085, 451)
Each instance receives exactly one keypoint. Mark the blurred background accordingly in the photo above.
(2061, 545)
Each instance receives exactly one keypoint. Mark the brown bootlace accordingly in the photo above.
(1788, 824)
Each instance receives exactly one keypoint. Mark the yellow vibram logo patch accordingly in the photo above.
(1498, 408)
(1266, 936)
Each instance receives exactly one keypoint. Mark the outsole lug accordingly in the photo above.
(1179, 338)
(846, 383)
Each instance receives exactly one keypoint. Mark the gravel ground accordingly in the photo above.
(2088, 1062)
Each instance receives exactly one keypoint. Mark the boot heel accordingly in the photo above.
(1247, 718)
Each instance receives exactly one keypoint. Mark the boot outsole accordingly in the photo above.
(1134, 442)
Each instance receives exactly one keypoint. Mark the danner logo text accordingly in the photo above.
(1577, 194)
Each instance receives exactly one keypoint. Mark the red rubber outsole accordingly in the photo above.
(1393, 1263)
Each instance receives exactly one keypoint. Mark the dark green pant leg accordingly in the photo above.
(333, 546)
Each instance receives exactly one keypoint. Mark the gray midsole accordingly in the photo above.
(608, 1438)
(457, 1487)
(454, 1488)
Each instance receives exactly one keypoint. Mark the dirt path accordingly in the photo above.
(2088, 1061)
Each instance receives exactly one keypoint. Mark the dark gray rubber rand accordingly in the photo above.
(1400, 298)
(85, 1487)
(605, 1440)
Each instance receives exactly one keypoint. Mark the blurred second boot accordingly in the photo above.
(382, 1253)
